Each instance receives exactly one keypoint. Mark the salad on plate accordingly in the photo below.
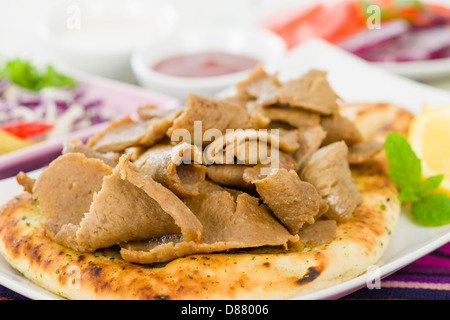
(38, 104)
(382, 31)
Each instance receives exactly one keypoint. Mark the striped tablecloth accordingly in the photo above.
(426, 279)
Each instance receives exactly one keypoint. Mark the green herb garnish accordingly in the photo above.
(427, 208)
(24, 74)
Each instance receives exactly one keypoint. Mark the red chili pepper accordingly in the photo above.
(26, 129)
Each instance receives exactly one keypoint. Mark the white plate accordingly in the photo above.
(355, 81)
(9, 277)
(426, 70)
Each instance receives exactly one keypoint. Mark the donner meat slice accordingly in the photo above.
(91, 206)
(328, 170)
(227, 224)
(207, 115)
(293, 201)
(126, 132)
(178, 167)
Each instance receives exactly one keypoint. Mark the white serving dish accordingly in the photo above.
(355, 81)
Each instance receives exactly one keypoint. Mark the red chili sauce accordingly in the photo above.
(205, 64)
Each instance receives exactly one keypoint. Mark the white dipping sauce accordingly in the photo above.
(107, 34)
(99, 36)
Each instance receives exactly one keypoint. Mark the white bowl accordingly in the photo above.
(256, 43)
(99, 36)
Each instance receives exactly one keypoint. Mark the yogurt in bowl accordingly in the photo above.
(99, 36)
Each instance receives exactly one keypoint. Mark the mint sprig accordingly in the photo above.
(25, 74)
(405, 170)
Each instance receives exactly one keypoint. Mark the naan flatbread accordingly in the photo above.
(245, 274)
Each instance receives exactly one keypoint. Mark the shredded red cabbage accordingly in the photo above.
(398, 41)
(68, 109)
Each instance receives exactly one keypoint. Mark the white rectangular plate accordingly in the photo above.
(355, 81)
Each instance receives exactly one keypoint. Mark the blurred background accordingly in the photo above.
(19, 18)
(21, 21)
(91, 35)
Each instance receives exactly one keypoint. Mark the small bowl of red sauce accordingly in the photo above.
(205, 60)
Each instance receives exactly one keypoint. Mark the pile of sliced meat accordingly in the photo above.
(269, 166)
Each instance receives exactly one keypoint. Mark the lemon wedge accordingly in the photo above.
(429, 136)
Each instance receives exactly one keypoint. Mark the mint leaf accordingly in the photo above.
(21, 73)
(430, 184)
(408, 195)
(55, 79)
(432, 210)
(24, 74)
(404, 166)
